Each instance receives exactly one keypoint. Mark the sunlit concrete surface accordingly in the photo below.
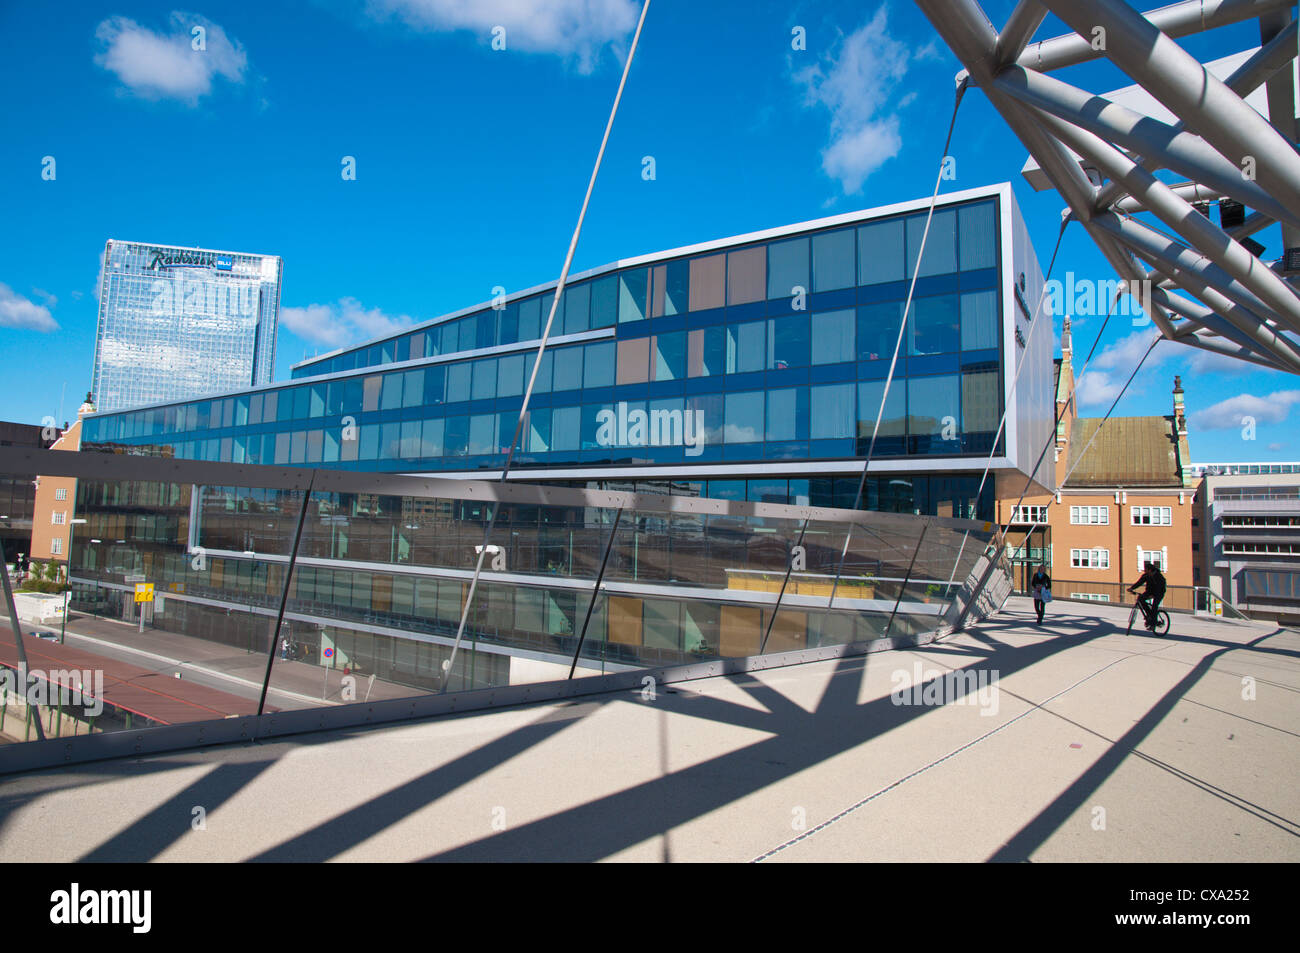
(1089, 746)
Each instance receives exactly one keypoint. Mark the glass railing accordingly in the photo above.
(203, 591)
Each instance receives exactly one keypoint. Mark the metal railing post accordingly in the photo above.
(906, 578)
(18, 631)
(284, 593)
(595, 590)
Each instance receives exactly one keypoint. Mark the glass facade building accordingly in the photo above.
(741, 373)
(176, 323)
(734, 366)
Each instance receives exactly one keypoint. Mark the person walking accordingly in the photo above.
(1154, 587)
(1041, 586)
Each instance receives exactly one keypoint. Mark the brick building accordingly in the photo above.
(55, 500)
(1125, 497)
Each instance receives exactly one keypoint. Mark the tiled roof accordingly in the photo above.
(1129, 451)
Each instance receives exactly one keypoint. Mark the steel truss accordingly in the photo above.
(1204, 285)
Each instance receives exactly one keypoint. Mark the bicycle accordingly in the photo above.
(1162, 620)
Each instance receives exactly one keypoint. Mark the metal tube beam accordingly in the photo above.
(1178, 19)
(1217, 346)
(1184, 152)
(1185, 265)
(1020, 26)
(1198, 230)
(1190, 271)
(1244, 79)
(1190, 91)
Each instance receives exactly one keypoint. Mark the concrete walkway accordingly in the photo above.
(1083, 745)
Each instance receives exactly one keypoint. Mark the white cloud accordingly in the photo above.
(1097, 387)
(1229, 414)
(580, 29)
(17, 312)
(336, 325)
(1111, 366)
(856, 84)
(166, 65)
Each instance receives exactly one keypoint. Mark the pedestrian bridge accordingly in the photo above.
(1064, 742)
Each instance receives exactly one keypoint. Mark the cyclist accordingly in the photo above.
(1153, 581)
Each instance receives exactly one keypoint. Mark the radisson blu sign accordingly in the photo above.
(182, 258)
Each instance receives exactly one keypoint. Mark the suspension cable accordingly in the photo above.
(541, 349)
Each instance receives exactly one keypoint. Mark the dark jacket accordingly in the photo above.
(1153, 580)
(1040, 579)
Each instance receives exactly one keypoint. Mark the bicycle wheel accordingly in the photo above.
(1162, 623)
(1131, 616)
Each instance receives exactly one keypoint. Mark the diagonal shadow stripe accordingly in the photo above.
(154, 832)
(1034, 834)
(362, 822)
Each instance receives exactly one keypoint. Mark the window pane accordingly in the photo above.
(670, 356)
(485, 380)
(539, 430)
(410, 439)
(510, 375)
(979, 320)
(832, 337)
(893, 422)
(878, 330)
(577, 308)
(940, 244)
(530, 311)
(706, 352)
(936, 325)
(482, 434)
(832, 411)
(787, 267)
(787, 342)
(431, 439)
(604, 302)
(434, 381)
(417, 346)
(599, 365)
(707, 281)
(633, 361)
(631, 296)
(930, 401)
(413, 388)
(746, 275)
(980, 404)
(787, 414)
(458, 382)
(568, 369)
(456, 436)
(670, 286)
(880, 253)
(978, 236)
(373, 386)
(744, 417)
(745, 347)
(834, 265)
(566, 428)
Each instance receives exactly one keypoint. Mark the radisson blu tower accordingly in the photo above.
(176, 323)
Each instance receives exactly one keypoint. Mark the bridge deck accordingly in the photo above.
(1095, 746)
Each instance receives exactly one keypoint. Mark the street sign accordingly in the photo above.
(328, 653)
(144, 592)
(130, 579)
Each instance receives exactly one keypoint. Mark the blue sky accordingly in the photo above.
(471, 162)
